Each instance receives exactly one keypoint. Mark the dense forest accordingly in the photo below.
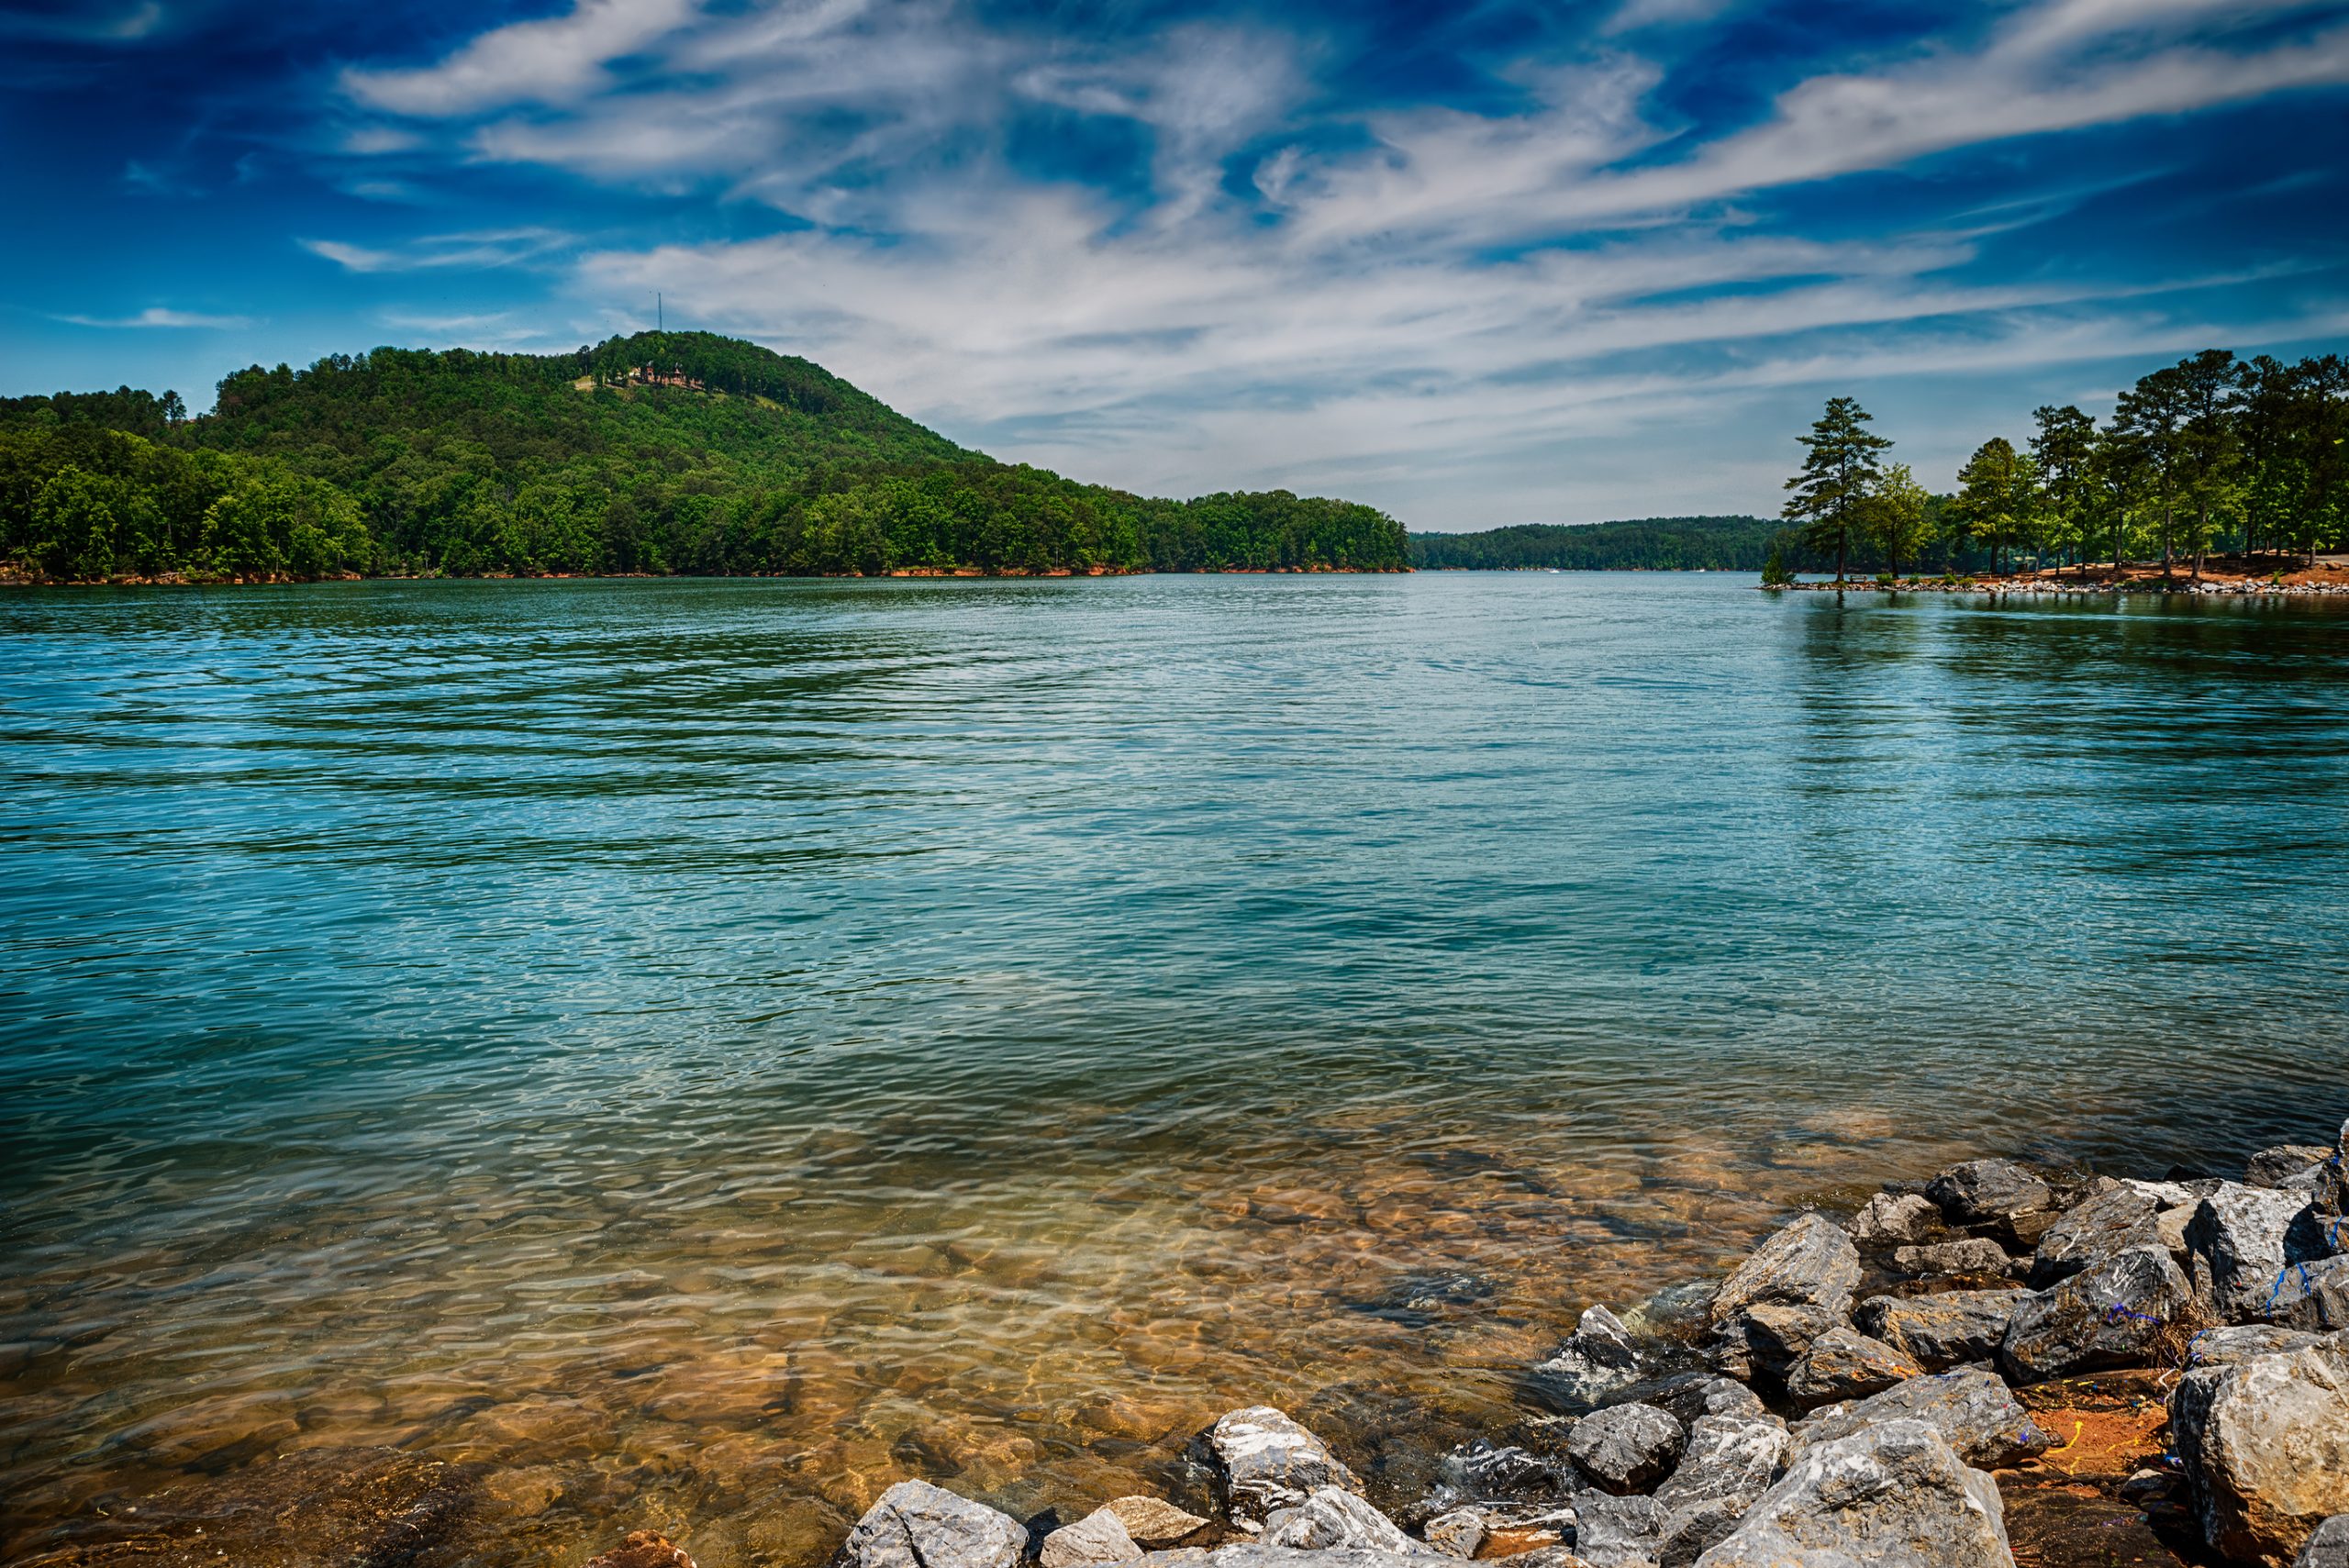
(660, 453)
(1645, 544)
(2211, 455)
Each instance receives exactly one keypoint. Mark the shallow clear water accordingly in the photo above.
(710, 1049)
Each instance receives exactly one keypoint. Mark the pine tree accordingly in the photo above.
(1838, 474)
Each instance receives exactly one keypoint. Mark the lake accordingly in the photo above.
(702, 1051)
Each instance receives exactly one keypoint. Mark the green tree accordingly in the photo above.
(2152, 417)
(2210, 448)
(1838, 470)
(1896, 516)
(1997, 498)
(2063, 447)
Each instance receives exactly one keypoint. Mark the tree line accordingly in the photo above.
(1644, 544)
(660, 453)
(2211, 454)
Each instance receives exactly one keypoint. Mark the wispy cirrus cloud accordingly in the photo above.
(160, 316)
(483, 248)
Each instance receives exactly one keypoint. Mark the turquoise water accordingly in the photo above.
(715, 1046)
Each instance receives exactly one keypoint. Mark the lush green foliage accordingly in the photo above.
(658, 453)
(1653, 544)
(1840, 473)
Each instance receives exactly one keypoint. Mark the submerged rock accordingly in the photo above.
(1263, 1461)
(2237, 1241)
(1626, 1448)
(1843, 1363)
(1972, 1407)
(1807, 1263)
(1942, 1329)
(917, 1525)
(643, 1549)
(2111, 1316)
(2265, 1444)
(1894, 1496)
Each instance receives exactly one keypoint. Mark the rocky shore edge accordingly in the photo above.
(1791, 1416)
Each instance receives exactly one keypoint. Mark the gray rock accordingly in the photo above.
(2312, 1295)
(1843, 1363)
(1334, 1517)
(1253, 1554)
(2108, 1224)
(1458, 1533)
(1976, 1256)
(1595, 1358)
(2331, 1190)
(2327, 1545)
(1153, 1522)
(2240, 1342)
(1263, 1461)
(2236, 1238)
(1626, 1448)
(2113, 1315)
(1690, 1396)
(1730, 1462)
(1809, 1263)
(1996, 1193)
(2288, 1165)
(1766, 1341)
(1099, 1536)
(1970, 1408)
(1895, 1496)
(1618, 1532)
(1891, 1219)
(917, 1525)
(1943, 1329)
(2264, 1443)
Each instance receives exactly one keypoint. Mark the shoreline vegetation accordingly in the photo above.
(1998, 1364)
(660, 454)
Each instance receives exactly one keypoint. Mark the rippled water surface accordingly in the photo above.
(707, 1049)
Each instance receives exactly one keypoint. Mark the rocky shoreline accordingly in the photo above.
(1893, 1388)
(2059, 587)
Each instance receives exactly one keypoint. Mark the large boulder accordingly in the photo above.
(1263, 1461)
(1843, 1363)
(2286, 1165)
(2327, 1545)
(1099, 1536)
(2108, 1223)
(2240, 1342)
(1809, 1262)
(1894, 1496)
(2264, 1443)
(2332, 1189)
(1890, 1219)
(1766, 1341)
(2312, 1295)
(1943, 1329)
(1972, 1407)
(1618, 1532)
(1730, 1461)
(1332, 1517)
(1692, 1395)
(1626, 1448)
(1153, 1523)
(1976, 1257)
(1254, 1554)
(917, 1525)
(1595, 1358)
(1996, 1194)
(2113, 1315)
(2237, 1240)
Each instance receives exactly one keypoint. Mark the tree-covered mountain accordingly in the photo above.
(661, 452)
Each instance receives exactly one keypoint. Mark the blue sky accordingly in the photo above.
(1478, 264)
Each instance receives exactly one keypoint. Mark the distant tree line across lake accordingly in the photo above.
(658, 453)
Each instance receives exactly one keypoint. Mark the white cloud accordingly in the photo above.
(480, 248)
(554, 60)
(158, 316)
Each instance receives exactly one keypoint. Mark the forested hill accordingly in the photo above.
(661, 452)
(1651, 544)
